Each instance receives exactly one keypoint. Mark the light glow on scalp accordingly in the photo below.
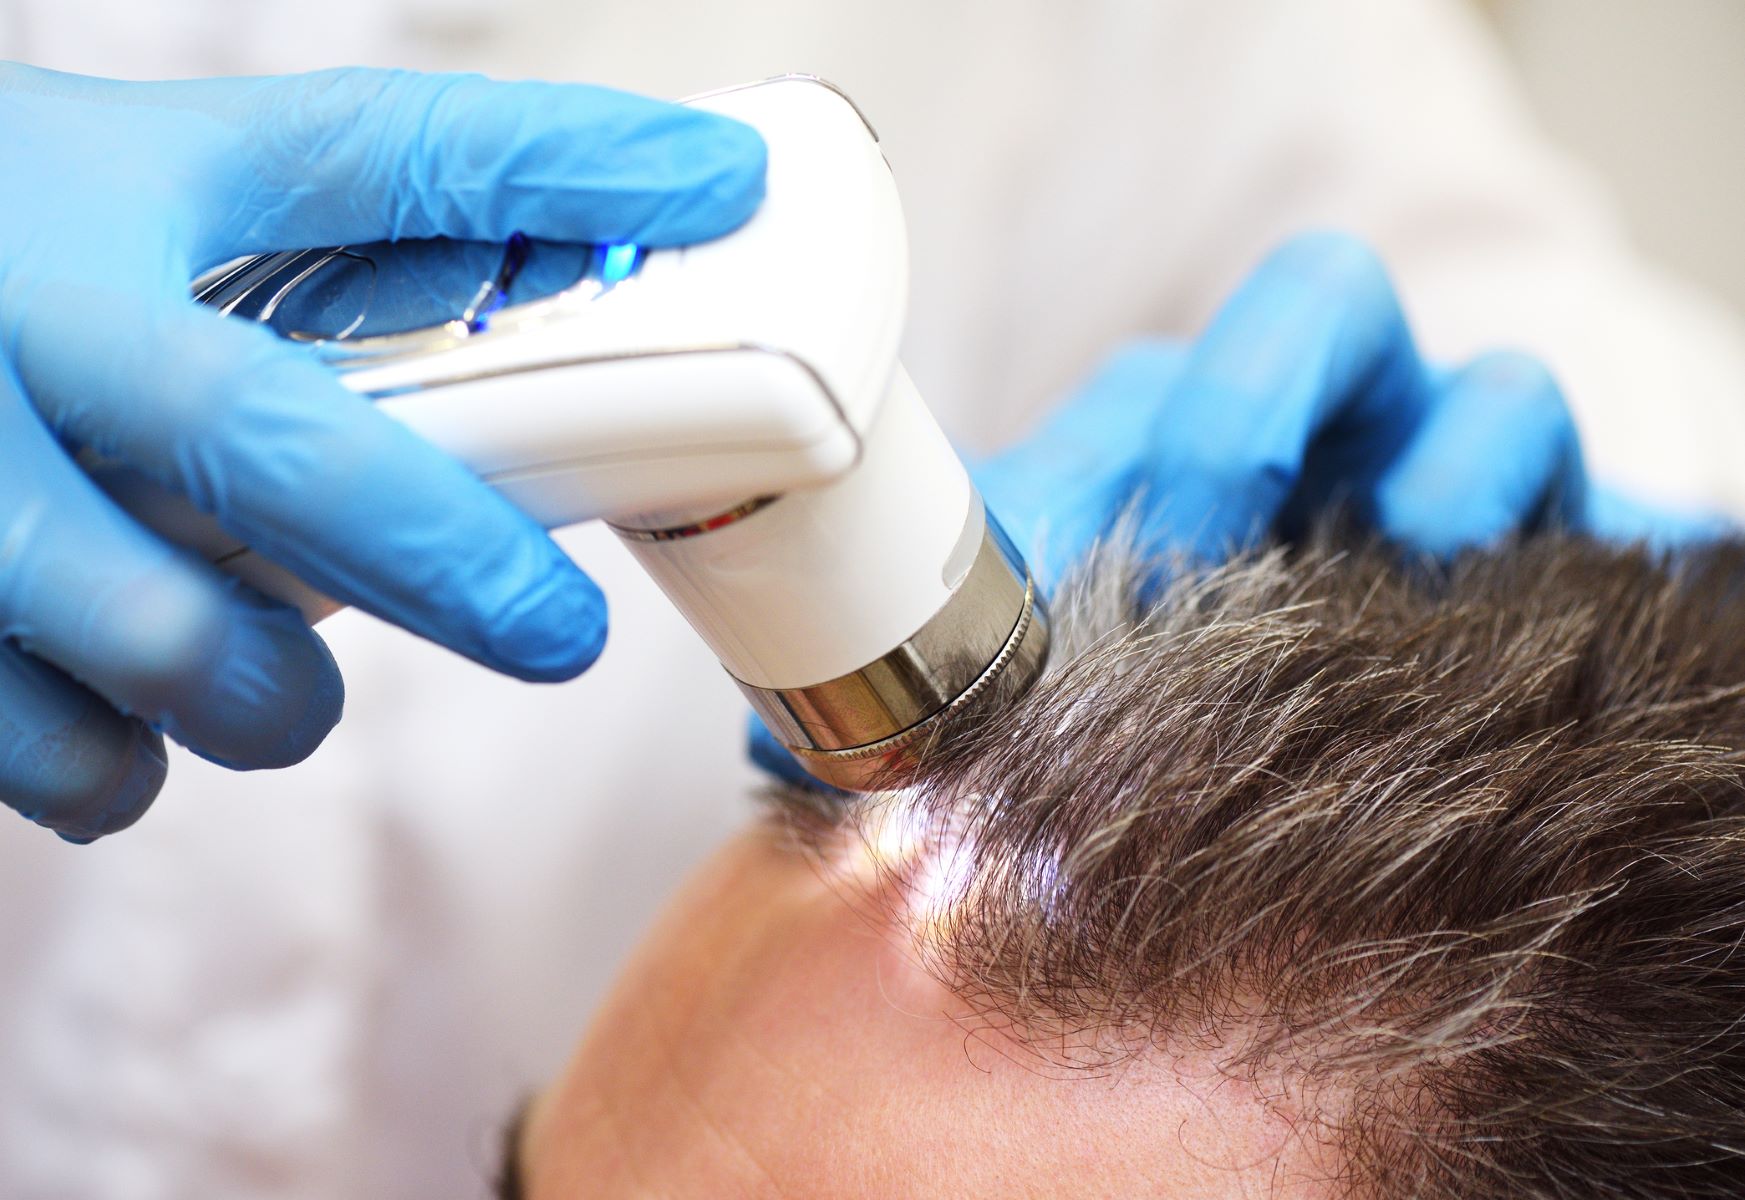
(927, 872)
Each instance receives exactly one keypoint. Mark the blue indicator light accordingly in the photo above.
(619, 262)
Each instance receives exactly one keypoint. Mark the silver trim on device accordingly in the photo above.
(789, 76)
(860, 731)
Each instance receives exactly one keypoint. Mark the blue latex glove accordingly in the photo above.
(1306, 391)
(115, 196)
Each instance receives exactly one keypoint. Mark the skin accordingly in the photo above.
(771, 1038)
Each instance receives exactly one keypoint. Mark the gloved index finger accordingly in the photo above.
(317, 479)
(1058, 489)
(1306, 384)
(362, 155)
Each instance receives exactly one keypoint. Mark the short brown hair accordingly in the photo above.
(1465, 844)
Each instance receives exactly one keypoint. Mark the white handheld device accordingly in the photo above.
(735, 410)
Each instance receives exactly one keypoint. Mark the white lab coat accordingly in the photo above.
(335, 981)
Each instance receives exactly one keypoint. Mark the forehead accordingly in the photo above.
(771, 1037)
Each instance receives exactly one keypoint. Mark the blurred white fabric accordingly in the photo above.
(336, 981)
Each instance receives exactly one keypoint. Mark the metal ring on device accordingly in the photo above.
(854, 728)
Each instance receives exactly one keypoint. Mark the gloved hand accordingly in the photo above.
(115, 195)
(1306, 391)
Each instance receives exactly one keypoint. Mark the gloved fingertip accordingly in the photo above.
(321, 711)
(739, 162)
(289, 703)
(1334, 257)
(716, 183)
(553, 631)
(1135, 373)
(143, 782)
(119, 802)
(1617, 516)
(250, 688)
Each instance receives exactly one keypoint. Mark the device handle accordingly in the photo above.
(665, 438)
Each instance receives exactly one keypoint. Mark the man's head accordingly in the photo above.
(1317, 875)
